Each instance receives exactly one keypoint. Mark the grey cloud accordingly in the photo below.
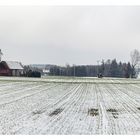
(73, 34)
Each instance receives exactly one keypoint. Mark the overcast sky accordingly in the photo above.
(68, 34)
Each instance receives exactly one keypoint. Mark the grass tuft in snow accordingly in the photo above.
(138, 108)
(111, 110)
(93, 112)
(56, 112)
(37, 112)
(114, 112)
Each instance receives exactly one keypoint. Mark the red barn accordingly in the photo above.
(10, 68)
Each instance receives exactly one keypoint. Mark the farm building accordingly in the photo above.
(11, 68)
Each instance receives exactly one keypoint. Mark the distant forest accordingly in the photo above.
(110, 68)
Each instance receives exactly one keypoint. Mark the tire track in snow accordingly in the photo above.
(50, 105)
(60, 104)
(11, 117)
(132, 112)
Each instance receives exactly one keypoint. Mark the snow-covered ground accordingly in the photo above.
(59, 105)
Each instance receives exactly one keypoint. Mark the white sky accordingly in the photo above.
(68, 34)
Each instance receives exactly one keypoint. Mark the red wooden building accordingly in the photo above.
(11, 68)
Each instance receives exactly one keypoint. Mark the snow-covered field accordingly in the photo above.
(59, 105)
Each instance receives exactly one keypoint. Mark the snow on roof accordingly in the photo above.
(14, 65)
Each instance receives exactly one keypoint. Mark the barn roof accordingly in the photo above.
(14, 65)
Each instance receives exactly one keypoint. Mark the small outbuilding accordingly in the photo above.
(11, 68)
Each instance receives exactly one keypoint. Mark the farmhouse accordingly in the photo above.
(11, 68)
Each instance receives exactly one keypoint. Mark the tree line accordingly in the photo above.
(109, 68)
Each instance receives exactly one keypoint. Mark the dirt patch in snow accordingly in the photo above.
(114, 112)
(38, 112)
(56, 112)
(138, 108)
(93, 112)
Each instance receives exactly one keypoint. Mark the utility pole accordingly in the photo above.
(53, 71)
(59, 71)
(98, 66)
(73, 70)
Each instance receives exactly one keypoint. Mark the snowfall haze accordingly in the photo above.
(68, 34)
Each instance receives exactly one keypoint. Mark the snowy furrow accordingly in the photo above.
(44, 108)
(69, 106)
(132, 121)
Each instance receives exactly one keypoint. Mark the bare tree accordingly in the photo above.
(135, 61)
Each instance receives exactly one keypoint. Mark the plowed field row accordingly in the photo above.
(73, 106)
